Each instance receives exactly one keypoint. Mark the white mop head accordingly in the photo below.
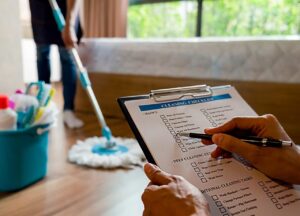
(81, 154)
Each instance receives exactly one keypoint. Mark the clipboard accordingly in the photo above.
(164, 95)
(225, 182)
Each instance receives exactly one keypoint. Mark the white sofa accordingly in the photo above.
(274, 59)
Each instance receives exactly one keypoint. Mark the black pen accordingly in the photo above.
(259, 141)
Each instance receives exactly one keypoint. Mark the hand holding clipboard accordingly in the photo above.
(157, 118)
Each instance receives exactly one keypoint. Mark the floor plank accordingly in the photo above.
(69, 189)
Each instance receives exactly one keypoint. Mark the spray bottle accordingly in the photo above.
(8, 117)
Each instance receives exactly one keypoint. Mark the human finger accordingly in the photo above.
(151, 187)
(70, 44)
(206, 141)
(154, 193)
(149, 184)
(234, 145)
(147, 205)
(244, 123)
(69, 39)
(226, 154)
(147, 194)
(156, 175)
(147, 211)
(219, 152)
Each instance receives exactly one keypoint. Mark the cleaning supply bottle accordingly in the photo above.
(8, 117)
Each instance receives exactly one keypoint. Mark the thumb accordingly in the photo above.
(156, 175)
(234, 145)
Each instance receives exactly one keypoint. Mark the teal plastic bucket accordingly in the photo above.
(23, 157)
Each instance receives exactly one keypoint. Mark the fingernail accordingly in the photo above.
(148, 168)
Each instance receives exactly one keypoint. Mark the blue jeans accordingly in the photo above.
(68, 71)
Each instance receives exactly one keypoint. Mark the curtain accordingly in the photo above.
(105, 18)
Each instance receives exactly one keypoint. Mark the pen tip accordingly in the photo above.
(183, 134)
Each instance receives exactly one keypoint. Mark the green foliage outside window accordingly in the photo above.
(220, 18)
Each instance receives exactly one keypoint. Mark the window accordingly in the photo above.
(169, 18)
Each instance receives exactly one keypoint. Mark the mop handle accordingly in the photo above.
(84, 78)
(59, 18)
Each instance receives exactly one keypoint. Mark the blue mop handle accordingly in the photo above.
(84, 78)
(58, 16)
(86, 84)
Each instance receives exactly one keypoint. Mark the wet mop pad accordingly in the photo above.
(82, 153)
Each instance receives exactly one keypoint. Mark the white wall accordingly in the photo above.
(11, 75)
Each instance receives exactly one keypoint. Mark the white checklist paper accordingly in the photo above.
(231, 186)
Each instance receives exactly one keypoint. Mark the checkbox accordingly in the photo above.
(170, 128)
(165, 120)
(270, 194)
(181, 145)
(168, 124)
(193, 164)
(265, 189)
(215, 197)
(203, 180)
(278, 206)
(197, 169)
(274, 200)
(261, 183)
(163, 116)
(200, 174)
(184, 150)
(173, 132)
(222, 210)
(218, 203)
(178, 140)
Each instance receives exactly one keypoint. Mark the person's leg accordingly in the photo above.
(69, 79)
(43, 62)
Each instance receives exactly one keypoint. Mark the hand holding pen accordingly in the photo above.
(258, 141)
(278, 163)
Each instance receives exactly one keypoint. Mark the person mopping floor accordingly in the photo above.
(45, 34)
(107, 151)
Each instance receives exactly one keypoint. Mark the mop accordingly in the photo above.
(106, 151)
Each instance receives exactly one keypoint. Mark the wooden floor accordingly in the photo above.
(69, 189)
